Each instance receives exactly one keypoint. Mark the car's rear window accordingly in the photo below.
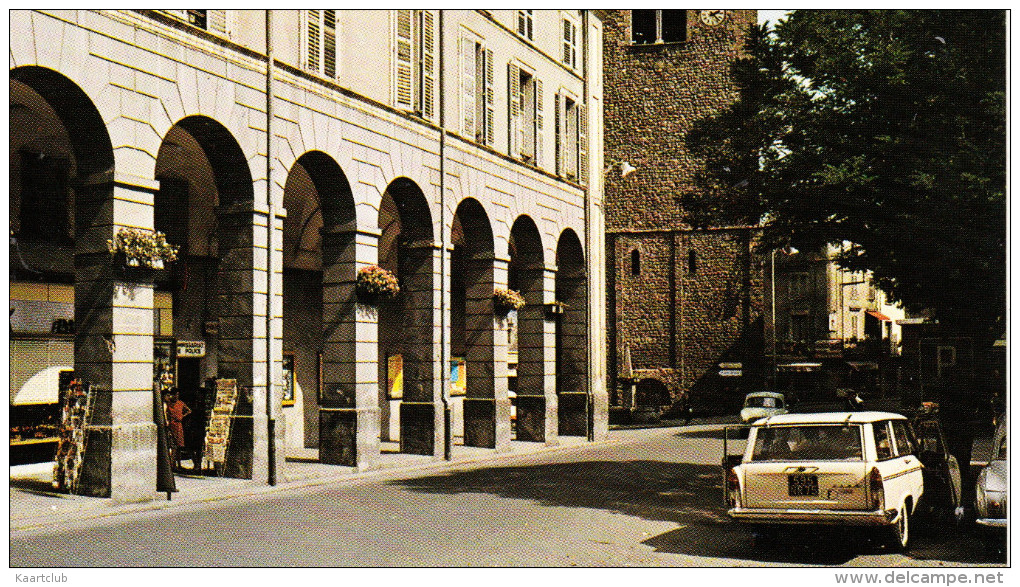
(762, 402)
(808, 443)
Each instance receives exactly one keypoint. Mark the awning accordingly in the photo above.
(799, 367)
(862, 365)
(878, 315)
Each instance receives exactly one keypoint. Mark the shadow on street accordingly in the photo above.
(688, 495)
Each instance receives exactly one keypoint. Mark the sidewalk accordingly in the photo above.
(35, 505)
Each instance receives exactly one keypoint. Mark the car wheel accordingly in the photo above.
(901, 530)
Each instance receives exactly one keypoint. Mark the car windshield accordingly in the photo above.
(761, 402)
(808, 443)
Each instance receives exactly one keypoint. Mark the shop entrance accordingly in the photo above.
(189, 383)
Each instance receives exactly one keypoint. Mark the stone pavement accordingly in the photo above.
(35, 505)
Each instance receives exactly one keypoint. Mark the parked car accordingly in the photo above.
(762, 404)
(991, 489)
(943, 482)
(836, 469)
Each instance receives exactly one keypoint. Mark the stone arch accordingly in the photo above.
(571, 335)
(205, 205)
(62, 213)
(472, 336)
(319, 245)
(407, 339)
(652, 393)
(528, 274)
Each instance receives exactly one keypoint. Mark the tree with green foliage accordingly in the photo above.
(882, 128)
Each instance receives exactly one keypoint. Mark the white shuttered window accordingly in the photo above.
(477, 91)
(525, 115)
(415, 61)
(320, 42)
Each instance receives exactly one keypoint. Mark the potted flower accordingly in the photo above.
(138, 247)
(375, 283)
(505, 301)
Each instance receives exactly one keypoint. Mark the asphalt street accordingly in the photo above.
(651, 503)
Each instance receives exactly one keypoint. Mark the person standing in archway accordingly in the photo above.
(176, 411)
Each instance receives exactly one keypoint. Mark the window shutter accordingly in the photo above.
(217, 22)
(560, 133)
(514, 101)
(566, 41)
(329, 43)
(490, 97)
(428, 63)
(313, 31)
(467, 95)
(403, 59)
(538, 122)
(582, 144)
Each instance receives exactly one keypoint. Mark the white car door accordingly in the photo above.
(900, 473)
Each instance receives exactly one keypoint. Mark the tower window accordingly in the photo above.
(635, 262)
(692, 262)
(649, 27)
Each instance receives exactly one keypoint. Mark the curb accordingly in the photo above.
(246, 488)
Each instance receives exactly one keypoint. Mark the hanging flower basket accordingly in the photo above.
(505, 301)
(375, 284)
(136, 247)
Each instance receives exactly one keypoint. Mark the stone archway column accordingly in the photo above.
(537, 403)
(241, 296)
(113, 343)
(572, 357)
(349, 404)
(421, 409)
(487, 404)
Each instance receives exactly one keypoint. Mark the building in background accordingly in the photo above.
(685, 307)
(282, 152)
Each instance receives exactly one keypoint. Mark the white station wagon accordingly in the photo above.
(842, 468)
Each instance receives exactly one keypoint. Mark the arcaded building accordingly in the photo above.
(283, 152)
(685, 307)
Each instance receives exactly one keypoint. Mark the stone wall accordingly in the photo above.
(680, 300)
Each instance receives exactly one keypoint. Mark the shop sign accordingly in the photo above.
(731, 373)
(190, 348)
(731, 365)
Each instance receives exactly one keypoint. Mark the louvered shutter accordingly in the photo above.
(582, 144)
(428, 63)
(329, 43)
(567, 36)
(217, 22)
(313, 31)
(539, 116)
(514, 100)
(467, 80)
(490, 97)
(560, 138)
(403, 58)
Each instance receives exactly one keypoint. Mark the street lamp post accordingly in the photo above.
(787, 250)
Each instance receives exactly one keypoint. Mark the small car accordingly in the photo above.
(762, 404)
(836, 469)
(991, 489)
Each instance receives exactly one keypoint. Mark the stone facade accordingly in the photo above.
(680, 301)
(279, 188)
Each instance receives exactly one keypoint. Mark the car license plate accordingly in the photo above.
(803, 485)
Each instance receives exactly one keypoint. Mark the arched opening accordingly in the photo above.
(652, 394)
(61, 283)
(204, 207)
(319, 272)
(527, 275)
(407, 369)
(472, 328)
(572, 336)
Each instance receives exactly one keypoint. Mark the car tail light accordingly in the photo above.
(732, 487)
(876, 488)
